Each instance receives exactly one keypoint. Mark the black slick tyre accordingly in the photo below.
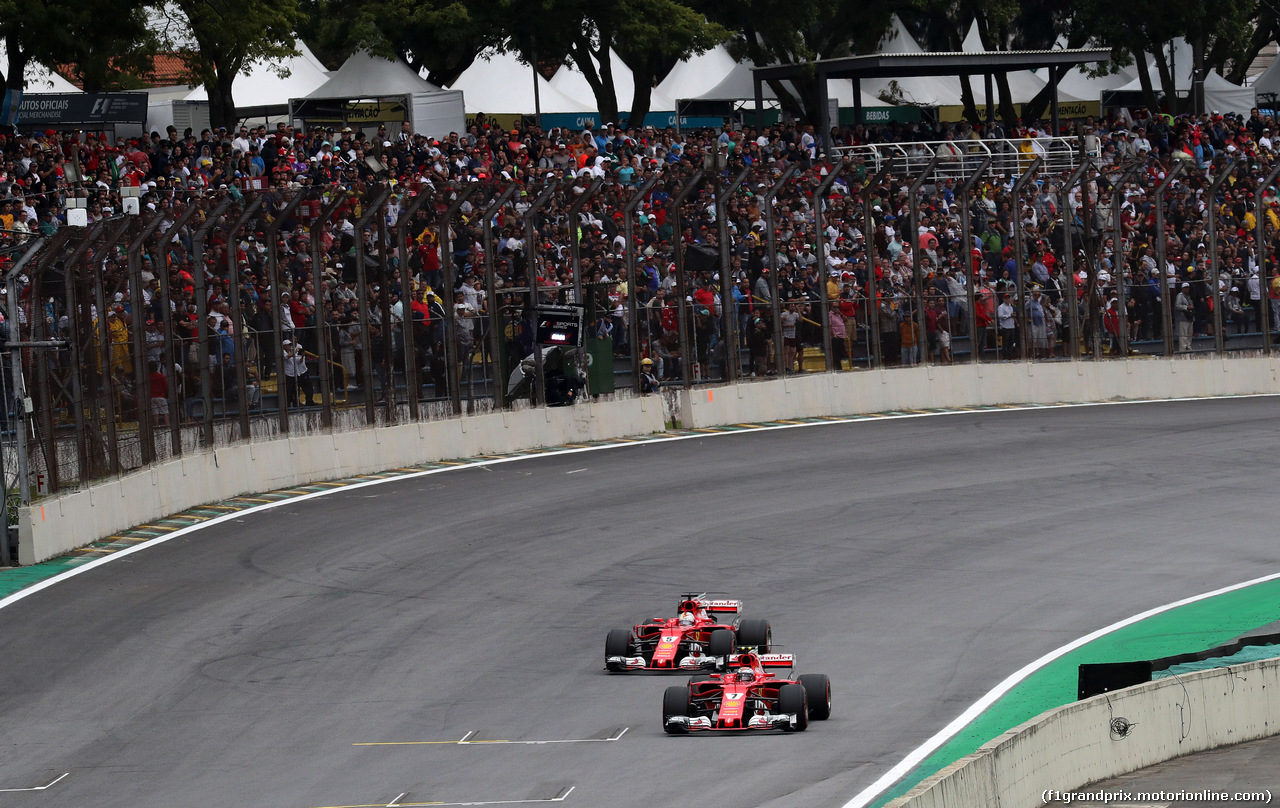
(817, 690)
(617, 643)
(755, 633)
(791, 699)
(675, 702)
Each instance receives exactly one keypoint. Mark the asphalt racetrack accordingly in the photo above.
(917, 562)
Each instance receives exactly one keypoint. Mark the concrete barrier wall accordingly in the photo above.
(59, 524)
(1069, 748)
(975, 385)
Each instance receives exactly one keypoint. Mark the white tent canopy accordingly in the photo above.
(498, 83)
(922, 90)
(570, 80)
(1268, 81)
(1219, 94)
(1024, 85)
(697, 74)
(366, 76)
(39, 78)
(262, 86)
(429, 110)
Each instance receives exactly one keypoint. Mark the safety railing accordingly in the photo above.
(956, 159)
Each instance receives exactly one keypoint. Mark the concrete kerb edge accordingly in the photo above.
(1073, 746)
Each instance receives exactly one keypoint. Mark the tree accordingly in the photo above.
(224, 38)
(102, 39)
(442, 37)
(814, 29)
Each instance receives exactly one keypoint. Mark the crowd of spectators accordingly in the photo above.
(862, 271)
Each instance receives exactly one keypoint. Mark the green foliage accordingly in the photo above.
(105, 40)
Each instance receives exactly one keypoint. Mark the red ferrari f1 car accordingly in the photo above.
(747, 697)
(693, 640)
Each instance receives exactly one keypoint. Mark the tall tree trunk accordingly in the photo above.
(606, 96)
(1144, 78)
(222, 104)
(966, 98)
(18, 60)
(1197, 74)
(1168, 84)
(1007, 112)
(640, 101)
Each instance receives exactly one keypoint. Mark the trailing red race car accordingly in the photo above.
(693, 640)
(747, 697)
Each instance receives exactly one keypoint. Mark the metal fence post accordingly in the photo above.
(78, 320)
(875, 357)
(202, 316)
(1118, 265)
(633, 303)
(966, 256)
(917, 272)
(531, 252)
(240, 353)
(373, 208)
(728, 311)
(322, 315)
(1215, 260)
(142, 391)
(682, 288)
(491, 291)
(775, 303)
(1020, 256)
(19, 407)
(1262, 261)
(406, 297)
(462, 194)
(273, 287)
(104, 344)
(572, 226)
(171, 358)
(1069, 259)
(1167, 291)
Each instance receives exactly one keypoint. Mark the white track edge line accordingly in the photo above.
(866, 418)
(918, 755)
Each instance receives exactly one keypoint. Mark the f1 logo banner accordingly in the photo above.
(84, 109)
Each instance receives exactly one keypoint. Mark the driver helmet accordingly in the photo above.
(746, 674)
(686, 618)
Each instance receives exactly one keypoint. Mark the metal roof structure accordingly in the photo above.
(896, 65)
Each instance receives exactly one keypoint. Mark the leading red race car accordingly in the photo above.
(693, 640)
(747, 697)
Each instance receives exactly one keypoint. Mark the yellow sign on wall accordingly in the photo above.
(1066, 111)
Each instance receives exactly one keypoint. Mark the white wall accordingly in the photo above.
(1071, 747)
(969, 385)
(62, 523)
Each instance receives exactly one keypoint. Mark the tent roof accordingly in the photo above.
(570, 80)
(499, 83)
(697, 74)
(263, 87)
(39, 78)
(1024, 85)
(366, 76)
(1268, 81)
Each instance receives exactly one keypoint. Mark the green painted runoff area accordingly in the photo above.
(15, 578)
(1194, 627)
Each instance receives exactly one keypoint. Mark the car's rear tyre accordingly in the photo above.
(791, 699)
(675, 702)
(817, 690)
(755, 633)
(720, 644)
(617, 643)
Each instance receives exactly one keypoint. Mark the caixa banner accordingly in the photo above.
(39, 110)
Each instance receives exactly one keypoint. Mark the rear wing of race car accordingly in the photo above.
(734, 606)
(770, 660)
